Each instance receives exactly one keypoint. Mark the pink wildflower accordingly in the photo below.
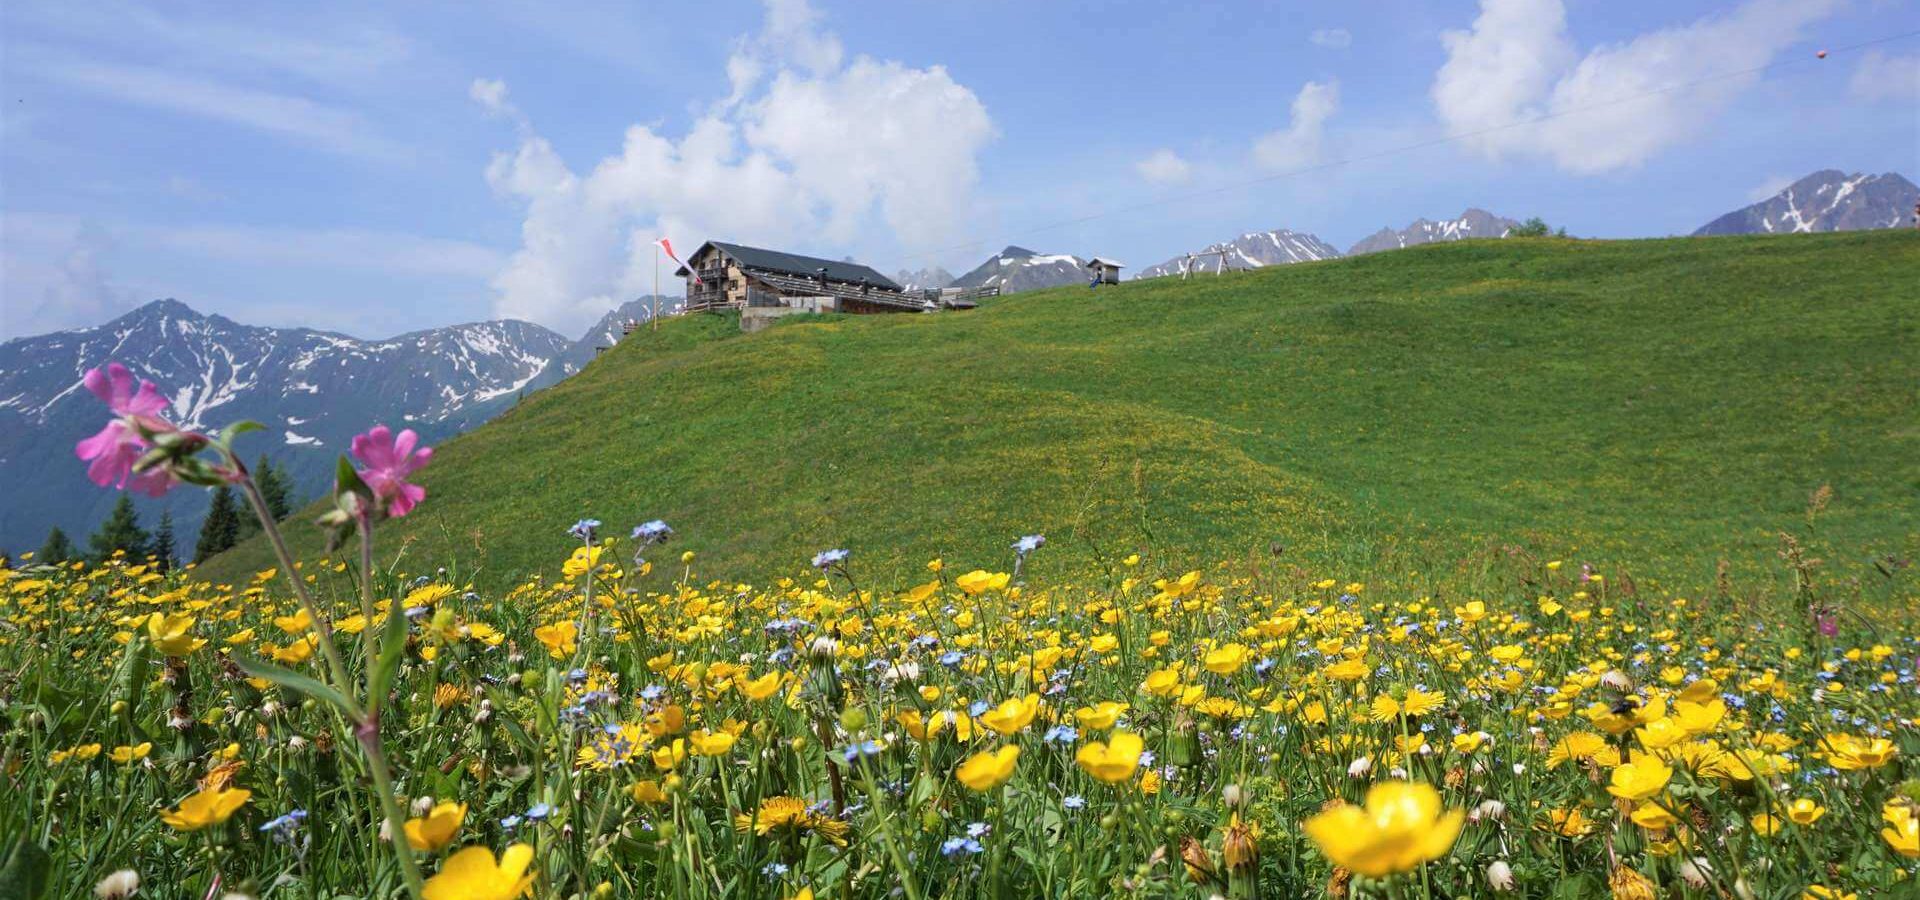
(389, 459)
(112, 452)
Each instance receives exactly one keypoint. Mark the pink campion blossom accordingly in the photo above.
(111, 453)
(114, 386)
(389, 459)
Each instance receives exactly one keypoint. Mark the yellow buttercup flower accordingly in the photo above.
(558, 638)
(1348, 670)
(1114, 761)
(1805, 811)
(763, 687)
(295, 624)
(437, 828)
(1386, 709)
(705, 743)
(583, 560)
(124, 754)
(1402, 825)
(1848, 752)
(1653, 816)
(1100, 716)
(667, 758)
(1161, 682)
(989, 769)
(207, 807)
(474, 874)
(648, 791)
(1903, 829)
(980, 581)
(170, 633)
(1640, 779)
(1226, 660)
(1010, 717)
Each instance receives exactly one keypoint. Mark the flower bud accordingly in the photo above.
(1500, 876)
(118, 886)
(1488, 809)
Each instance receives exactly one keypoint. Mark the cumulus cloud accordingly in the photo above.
(1517, 63)
(1768, 188)
(53, 275)
(1299, 144)
(1331, 38)
(1164, 167)
(808, 150)
(1883, 77)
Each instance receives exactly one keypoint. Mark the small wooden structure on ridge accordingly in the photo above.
(1105, 271)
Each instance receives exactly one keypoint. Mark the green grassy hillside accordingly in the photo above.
(1667, 400)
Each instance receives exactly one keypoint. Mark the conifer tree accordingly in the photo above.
(221, 530)
(163, 549)
(274, 489)
(58, 549)
(121, 531)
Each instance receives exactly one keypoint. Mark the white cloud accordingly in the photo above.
(1331, 38)
(1766, 189)
(285, 115)
(1883, 77)
(1164, 166)
(490, 93)
(1299, 144)
(808, 151)
(1517, 63)
(53, 275)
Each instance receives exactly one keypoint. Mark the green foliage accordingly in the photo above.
(58, 549)
(121, 532)
(1668, 402)
(165, 554)
(1534, 227)
(274, 489)
(25, 872)
(220, 531)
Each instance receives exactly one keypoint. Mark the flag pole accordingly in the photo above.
(653, 318)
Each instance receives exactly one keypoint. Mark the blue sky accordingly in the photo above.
(384, 167)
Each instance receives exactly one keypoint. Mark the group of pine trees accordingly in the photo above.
(228, 522)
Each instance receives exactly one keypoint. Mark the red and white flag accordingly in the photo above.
(668, 246)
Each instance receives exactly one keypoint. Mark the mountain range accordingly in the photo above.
(1248, 251)
(1827, 200)
(312, 389)
(932, 278)
(1019, 269)
(1474, 223)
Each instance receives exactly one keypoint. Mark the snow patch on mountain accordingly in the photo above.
(1252, 250)
(1827, 200)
